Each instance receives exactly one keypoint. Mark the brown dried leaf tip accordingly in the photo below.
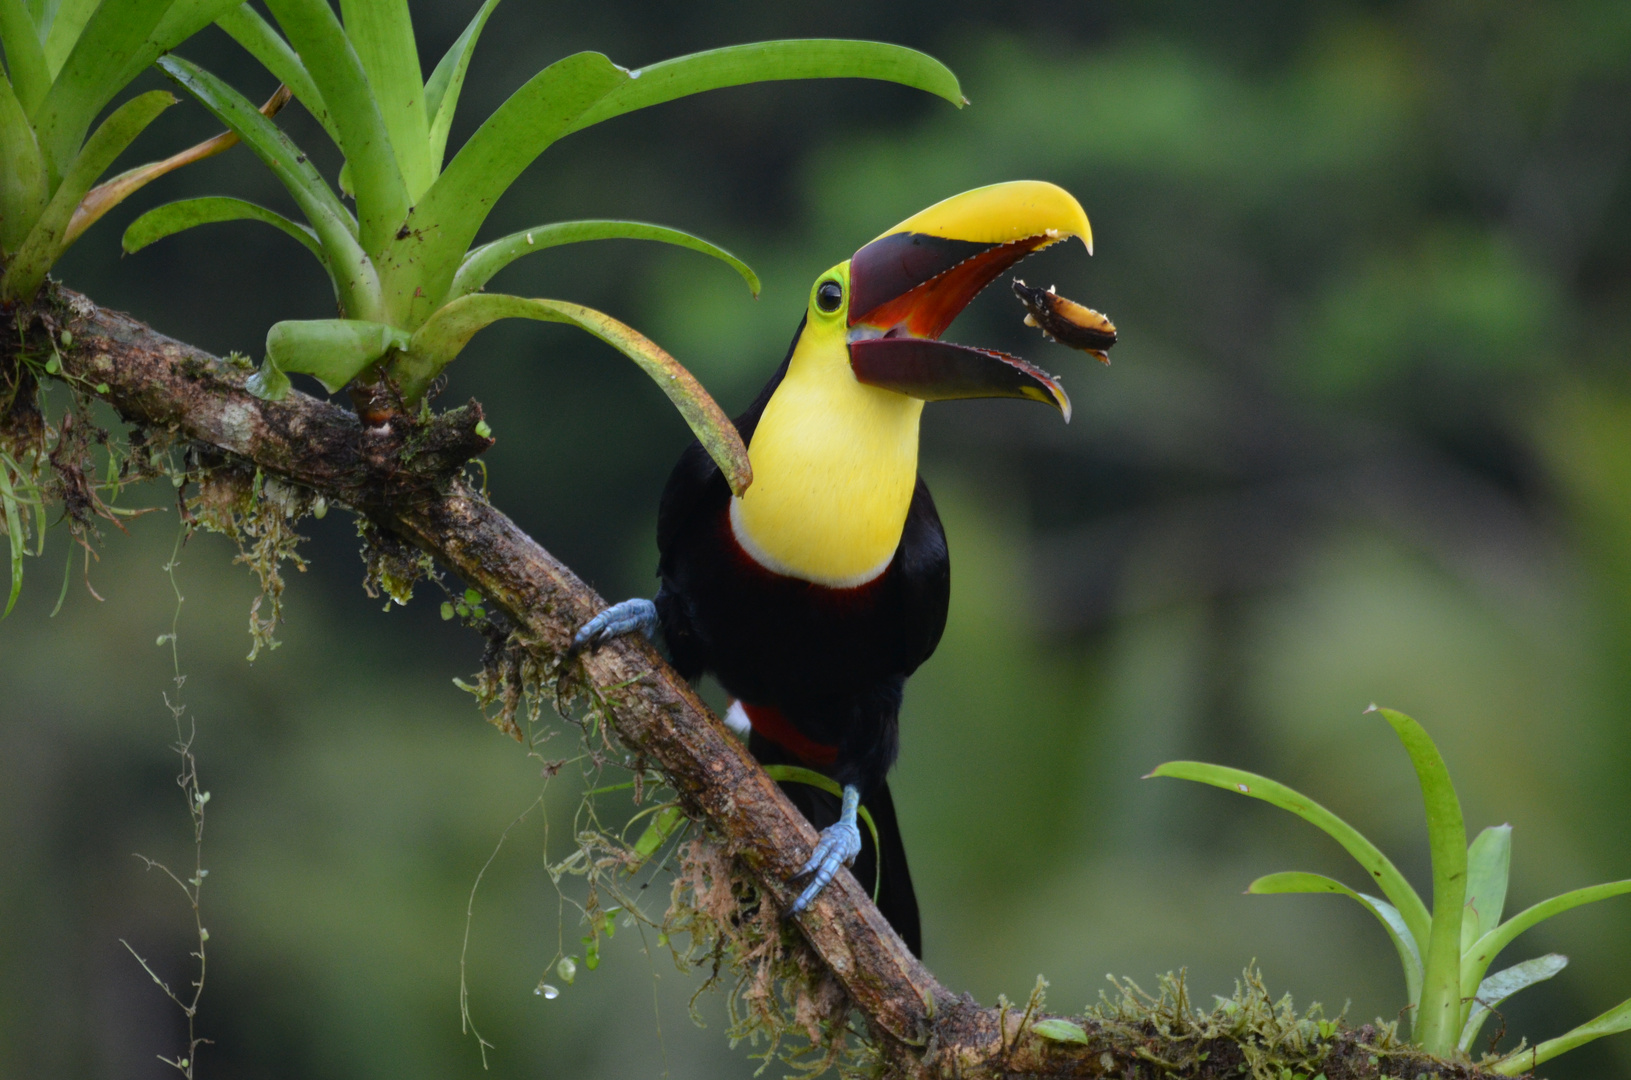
(1066, 321)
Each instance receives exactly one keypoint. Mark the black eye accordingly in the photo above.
(829, 295)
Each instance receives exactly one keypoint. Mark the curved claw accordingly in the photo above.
(839, 844)
(615, 621)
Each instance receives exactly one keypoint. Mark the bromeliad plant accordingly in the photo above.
(1446, 953)
(404, 272)
(65, 61)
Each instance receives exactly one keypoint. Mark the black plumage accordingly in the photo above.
(831, 662)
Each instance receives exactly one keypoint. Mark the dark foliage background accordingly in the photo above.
(1367, 437)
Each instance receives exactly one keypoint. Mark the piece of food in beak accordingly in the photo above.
(1066, 321)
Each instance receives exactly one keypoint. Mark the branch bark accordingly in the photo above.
(410, 482)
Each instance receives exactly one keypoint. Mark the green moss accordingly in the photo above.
(259, 513)
(394, 566)
(1250, 1033)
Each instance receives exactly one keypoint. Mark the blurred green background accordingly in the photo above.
(1367, 438)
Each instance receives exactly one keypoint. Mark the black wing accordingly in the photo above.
(923, 572)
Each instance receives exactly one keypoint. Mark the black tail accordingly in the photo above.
(896, 898)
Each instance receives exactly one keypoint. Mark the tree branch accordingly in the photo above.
(410, 483)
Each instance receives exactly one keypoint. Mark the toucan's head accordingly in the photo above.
(894, 297)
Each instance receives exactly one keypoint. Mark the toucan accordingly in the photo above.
(816, 593)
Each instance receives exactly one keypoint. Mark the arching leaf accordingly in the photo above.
(769, 61)
(110, 193)
(447, 332)
(481, 264)
(1386, 914)
(1377, 865)
(353, 273)
(63, 30)
(1487, 948)
(184, 19)
(171, 218)
(1612, 1022)
(1489, 865)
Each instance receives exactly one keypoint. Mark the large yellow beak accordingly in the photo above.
(909, 284)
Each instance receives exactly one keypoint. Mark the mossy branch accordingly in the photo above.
(407, 479)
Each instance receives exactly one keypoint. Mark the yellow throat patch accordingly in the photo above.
(834, 465)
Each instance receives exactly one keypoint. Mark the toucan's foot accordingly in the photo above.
(839, 844)
(615, 621)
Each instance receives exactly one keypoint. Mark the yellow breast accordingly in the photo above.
(834, 466)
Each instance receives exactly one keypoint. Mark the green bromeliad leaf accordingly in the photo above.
(1439, 1019)
(1386, 914)
(446, 333)
(353, 274)
(30, 76)
(65, 27)
(1489, 865)
(768, 61)
(258, 38)
(382, 195)
(90, 76)
(1612, 1022)
(1484, 951)
(585, 89)
(23, 186)
(1502, 985)
(45, 241)
(426, 254)
(184, 19)
(335, 351)
(482, 263)
(443, 87)
(381, 32)
(117, 43)
(1378, 866)
(171, 218)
